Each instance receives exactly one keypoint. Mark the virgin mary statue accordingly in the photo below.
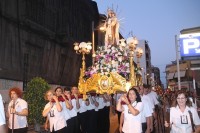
(112, 29)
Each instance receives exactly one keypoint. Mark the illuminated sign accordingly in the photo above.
(190, 44)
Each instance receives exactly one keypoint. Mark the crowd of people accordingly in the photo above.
(67, 112)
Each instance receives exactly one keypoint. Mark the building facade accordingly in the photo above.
(145, 61)
(185, 75)
(37, 36)
(191, 53)
(155, 76)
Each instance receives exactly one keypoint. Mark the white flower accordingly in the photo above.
(113, 70)
(113, 48)
(119, 53)
(113, 62)
(120, 58)
(108, 51)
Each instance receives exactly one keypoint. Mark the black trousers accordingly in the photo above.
(73, 125)
(107, 118)
(63, 130)
(83, 118)
(101, 121)
(19, 130)
(144, 127)
(92, 121)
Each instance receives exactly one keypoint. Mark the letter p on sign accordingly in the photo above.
(189, 44)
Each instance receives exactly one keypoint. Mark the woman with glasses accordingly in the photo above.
(182, 115)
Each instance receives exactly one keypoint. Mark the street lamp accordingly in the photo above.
(139, 53)
(132, 44)
(83, 48)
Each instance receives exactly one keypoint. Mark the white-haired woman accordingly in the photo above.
(54, 111)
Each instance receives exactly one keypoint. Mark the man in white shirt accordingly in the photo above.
(93, 113)
(82, 113)
(147, 112)
(2, 117)
(154, 96)
(153, 99)
(72, 123)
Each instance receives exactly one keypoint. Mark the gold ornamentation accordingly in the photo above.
(102, 84)
(105, 84)
(92, 83)
(119, 83)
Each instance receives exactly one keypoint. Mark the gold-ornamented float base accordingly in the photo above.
(101, 84)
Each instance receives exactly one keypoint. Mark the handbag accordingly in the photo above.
(192, 122)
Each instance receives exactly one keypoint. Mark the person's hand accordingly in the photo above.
(46, 126)
(125, 99)
(55, 98)
(68, 96)
(122, 98)
(12, 111)
(151, 127)
(120, 128)
(63, 96)
(166, 124)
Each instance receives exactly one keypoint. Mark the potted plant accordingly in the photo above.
(34, 96)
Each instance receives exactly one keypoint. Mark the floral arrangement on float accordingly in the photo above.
(112, 59)
(113, 69)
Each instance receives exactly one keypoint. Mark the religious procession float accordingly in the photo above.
(113, 66)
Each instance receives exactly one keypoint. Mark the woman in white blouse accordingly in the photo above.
(17, 112)
(180, 120)
(131, 109)
(54, 111)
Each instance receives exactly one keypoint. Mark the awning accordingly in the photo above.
(182, 87)
(170, 76)
(182, 74)
(173, 68)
